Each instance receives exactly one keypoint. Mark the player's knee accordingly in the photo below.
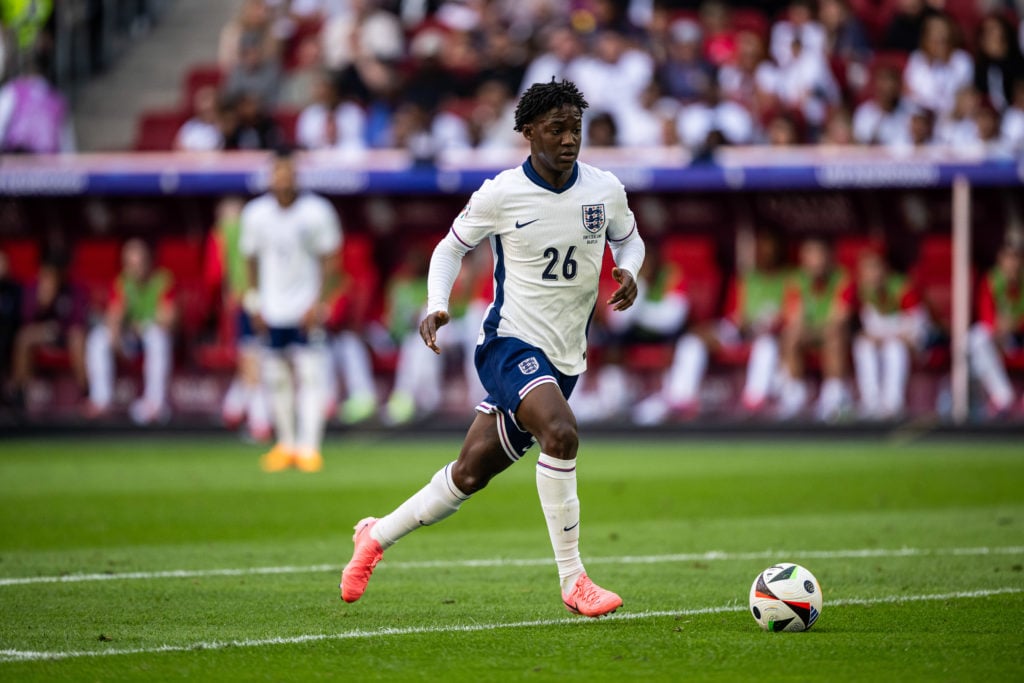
(559, 439)
(468, 479)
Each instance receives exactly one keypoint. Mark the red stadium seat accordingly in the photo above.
(184, 258)
(200, 76)
(933, 276)
(696, 257)
(307, 28)
(157, 129)
(287, 120)
(750, 19)
(849, 250)
(95, 262)
(22, 259)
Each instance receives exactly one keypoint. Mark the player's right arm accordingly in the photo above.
(473, 225)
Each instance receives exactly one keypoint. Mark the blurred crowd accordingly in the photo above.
(427, 75)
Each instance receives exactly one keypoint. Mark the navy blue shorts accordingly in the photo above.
(280, 338)
(509, 369)
(244, 331)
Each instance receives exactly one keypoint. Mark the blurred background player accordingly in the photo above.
(816, 316)
(139, 317)
(752, 315)
(657, 316)
(227, 278)
(53, 315)
(290, 241)
(1000, 326)
(893, 322)
(419, 378)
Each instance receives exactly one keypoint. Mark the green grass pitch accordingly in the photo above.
(160, 558)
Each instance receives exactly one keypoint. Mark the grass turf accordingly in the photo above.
(111, 507)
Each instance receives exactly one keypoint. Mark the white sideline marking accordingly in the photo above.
(7, 656)
(712, 555)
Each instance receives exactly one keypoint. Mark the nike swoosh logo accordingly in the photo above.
(523, 225)
(570, 528)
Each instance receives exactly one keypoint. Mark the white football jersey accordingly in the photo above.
(288, 243)
(548, 247)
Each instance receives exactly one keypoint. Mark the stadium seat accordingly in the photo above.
(95, 262)
(157, 129)
(696, 256)
(22, 259)
(849, 250)
(199, 76)
(287, 120)
(184, 258)
(304, 29)
(750, 19)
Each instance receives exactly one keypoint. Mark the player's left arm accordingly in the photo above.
(327, 242)
(628, 251)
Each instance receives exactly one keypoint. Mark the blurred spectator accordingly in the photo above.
(905, 27)
(719, 34)
(648, 122)
(227, 280)
(503, 59)
(685, 74)
(1000, 326)
(559, 61)
(202, 132)
(752, 315)
(838, 128)
(249, 126)
(798, 26)
(844, 34)
(937, 71)
(492, 118)
(53, 315)
(10, 316)
(253, 26)
(782, 131)
(138, 319)
(987, 122)
(34, 117)
(805, 84)
(998, 62)
(364, 32)
(328, 122)
(752, 80)
(959, 128)
(922, 128)
(1012, 127)
(614, 74)
(254, 74)
(893, 323)
(602, 131)
(299, 82)
(697, 122)
(816, 315)
(884, 119)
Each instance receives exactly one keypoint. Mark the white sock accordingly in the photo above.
(687, 371)
(556, 486)
(282, 396)
(896, 367)
(867, 370)
(764, 357)
(156, 364)
(436, 501)
(236, 400)
(833, 394)
(99, 366)
(793, 396)
(354, 364)
(311, 368)
(988, 366)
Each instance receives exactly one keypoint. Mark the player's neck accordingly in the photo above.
(285, 199)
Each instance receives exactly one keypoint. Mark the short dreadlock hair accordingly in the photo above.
(540, 98)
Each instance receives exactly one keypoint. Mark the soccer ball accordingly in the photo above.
(785, 597)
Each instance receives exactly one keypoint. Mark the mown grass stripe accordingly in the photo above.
(712, 555)
(9, 656)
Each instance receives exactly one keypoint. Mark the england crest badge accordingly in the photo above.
(529, 366)
(594, 218)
